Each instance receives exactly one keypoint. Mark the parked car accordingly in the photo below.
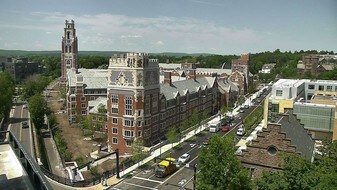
(225, 129)
(241, 131)
(206, 141)
(184, 158)
(24, 124)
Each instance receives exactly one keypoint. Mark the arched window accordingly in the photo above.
(68, 35)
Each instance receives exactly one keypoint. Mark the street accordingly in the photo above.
(19, 115)
(183, 178)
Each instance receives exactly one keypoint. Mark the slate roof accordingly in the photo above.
(297, 134)
(170, 91)
(95, 103)
(209, 70)
(92, 78)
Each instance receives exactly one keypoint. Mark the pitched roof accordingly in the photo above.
(170, 91)
(299, 136)
(92, 78)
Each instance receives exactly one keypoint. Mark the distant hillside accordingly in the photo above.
(14, 53)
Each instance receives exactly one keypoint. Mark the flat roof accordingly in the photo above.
(12, 173)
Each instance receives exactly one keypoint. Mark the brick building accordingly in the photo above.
(285, 136)
(20, 68)
(241, 65)
(140, 107)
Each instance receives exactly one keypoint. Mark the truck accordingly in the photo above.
(166, 167)
(214, 127)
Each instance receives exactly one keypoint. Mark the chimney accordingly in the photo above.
(192, 74)
(167, 78)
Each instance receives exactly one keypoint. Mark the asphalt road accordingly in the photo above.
(183, 178)
(20, 115)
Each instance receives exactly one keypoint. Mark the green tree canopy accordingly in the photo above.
(220, 168)
(37, 109)
(7, 87)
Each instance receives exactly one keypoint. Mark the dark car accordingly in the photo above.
(225, 129)
(206, 141)
(24, 124)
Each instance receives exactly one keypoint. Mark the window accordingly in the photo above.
(128, 105)
(92, 98)
(114, 130)
(155, 102)
(128, 123)
(272, 150)
(147, 104)
(114, 120)
(128, 133)
(114, 110)
(73, 99)
(72, 105)
(94, 118)
(155, 128)
(139, 133)
(147, 122)
(82, 99)
(73, 112)
(84, 112)
(328, 88)
(114, 99)
(321, 87)
(128, 142)
(311, 87)
(114, 140)
(147, 132)
(336, 88)
(279, 92)
(139, 123)
(83, 105)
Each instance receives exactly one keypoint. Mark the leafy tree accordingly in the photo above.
(37, 108)
(271, 180)
(7, 87)
(241, 99)
(172, 135)
(220, 168)
(138, 152)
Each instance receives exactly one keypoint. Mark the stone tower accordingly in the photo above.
(69, 49)
(133, 100)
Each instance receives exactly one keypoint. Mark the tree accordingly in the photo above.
(172, 135)
(138, 152)
(241, 99)
(300, 173)
(220, 168)
(7, 87)
(37, 109)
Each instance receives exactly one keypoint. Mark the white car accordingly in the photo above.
(241, 131)
(184, 158)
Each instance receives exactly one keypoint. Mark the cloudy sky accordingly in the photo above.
(188, 26)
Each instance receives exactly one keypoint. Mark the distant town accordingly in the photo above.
(137, 120)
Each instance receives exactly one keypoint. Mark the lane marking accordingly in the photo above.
(141, 186)
(146, 179)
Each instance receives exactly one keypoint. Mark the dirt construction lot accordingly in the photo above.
(71, 133)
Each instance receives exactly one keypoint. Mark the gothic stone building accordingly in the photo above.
(140, 107)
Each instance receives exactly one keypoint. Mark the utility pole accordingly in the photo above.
(194, 176)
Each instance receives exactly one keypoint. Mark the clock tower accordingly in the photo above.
(69, 49)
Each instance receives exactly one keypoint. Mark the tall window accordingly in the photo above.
(155, 102)
(114, 99)
(128, 105)
(128, 133)
(147, 104)
(321, 87)
(329, 88)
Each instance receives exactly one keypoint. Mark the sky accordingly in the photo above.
(186, 26)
